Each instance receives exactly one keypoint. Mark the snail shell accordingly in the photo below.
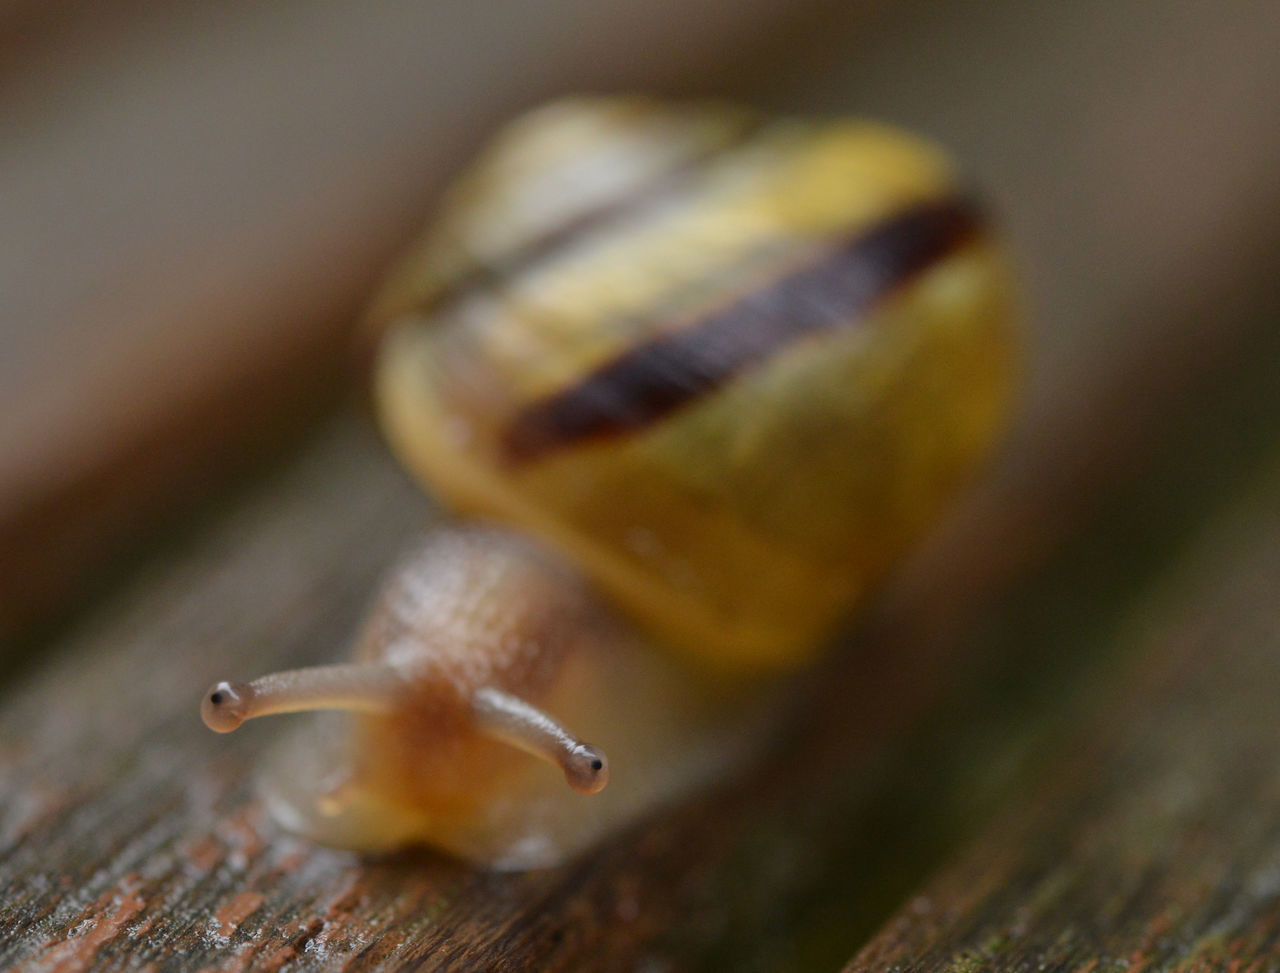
(731, 367)
(713, 374)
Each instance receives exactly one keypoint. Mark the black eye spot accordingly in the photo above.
(216, 698)
(597, 764)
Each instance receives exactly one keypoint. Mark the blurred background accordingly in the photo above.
(195, 200)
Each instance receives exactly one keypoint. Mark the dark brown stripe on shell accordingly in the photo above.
(650, 381)
(482, 277)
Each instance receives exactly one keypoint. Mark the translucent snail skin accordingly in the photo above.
(692, 380)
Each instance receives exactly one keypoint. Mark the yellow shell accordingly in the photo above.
(731, 366)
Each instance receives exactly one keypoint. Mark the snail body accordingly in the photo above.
(713, 375)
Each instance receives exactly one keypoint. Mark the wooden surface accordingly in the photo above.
(1155, 842)
(131, 836)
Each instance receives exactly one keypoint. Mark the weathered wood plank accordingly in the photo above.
(1154, 843)
(130, 836)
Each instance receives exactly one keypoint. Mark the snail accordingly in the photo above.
(692, 380)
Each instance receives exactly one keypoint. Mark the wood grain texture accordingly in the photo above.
(1155, 842)
(131, 837)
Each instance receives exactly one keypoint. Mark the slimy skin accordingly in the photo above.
(468, 616)
(475, 641)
